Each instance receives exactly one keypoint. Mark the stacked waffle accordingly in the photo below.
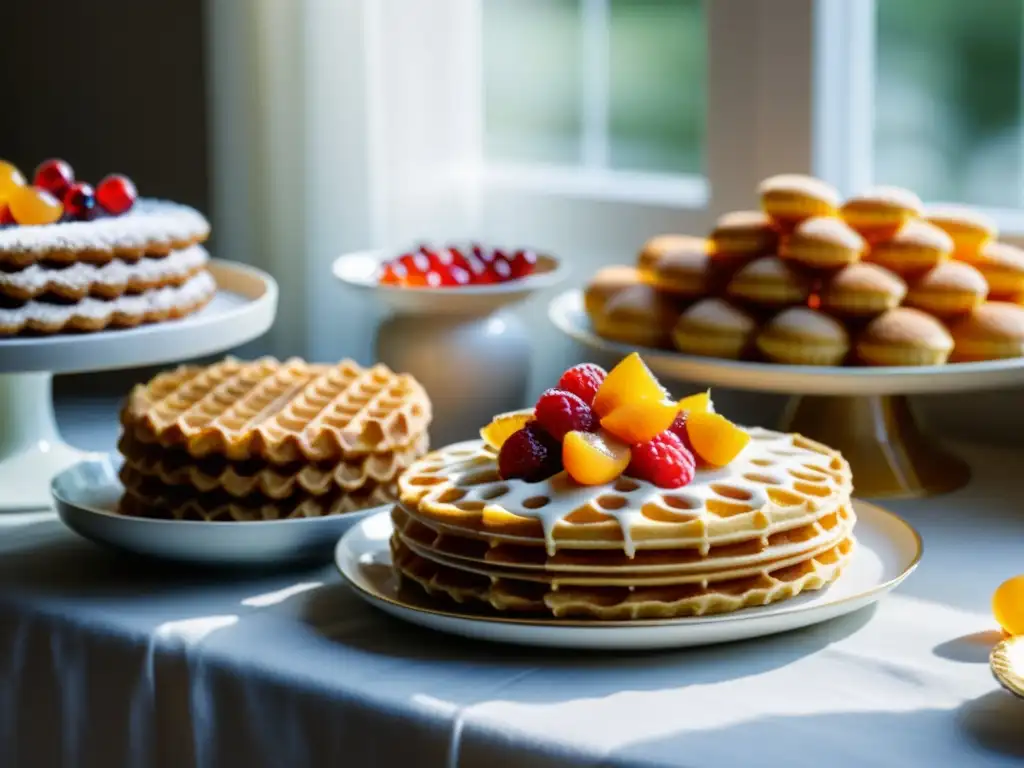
(813, 280)
(269, 440)
(145, 266)
(775, 522)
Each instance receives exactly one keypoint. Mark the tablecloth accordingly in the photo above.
(107, 661)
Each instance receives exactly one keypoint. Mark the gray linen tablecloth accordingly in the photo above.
(106, 661)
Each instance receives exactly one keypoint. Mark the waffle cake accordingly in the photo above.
(266, 439)
(776, 521)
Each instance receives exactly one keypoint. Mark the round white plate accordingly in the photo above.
(86, 495)
(567, 313)
(359, 270)
(888, 551)
(242, 310)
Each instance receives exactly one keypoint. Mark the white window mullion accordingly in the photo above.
(596, 81)
(844, 93)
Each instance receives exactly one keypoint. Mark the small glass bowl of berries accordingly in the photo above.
(451, 278)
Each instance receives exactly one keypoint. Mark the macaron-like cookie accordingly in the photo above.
(770, 282)
(744, 235)
(1002, 266)
(802, 336)
(862, 290)
(607, 282)
(915, 248)
(952, 288)
(969, 228)
(714, 328)
(683, 273)
(823, 243)
(880, 212)
(638, 315)
(790, 198)
(904, 336)
(992, 331)
(660, 246)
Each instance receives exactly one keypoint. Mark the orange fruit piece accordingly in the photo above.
(698, 403)
(716, 440)
(31, 205)
(637, 421)
(1008, 605)
(503, 425)
(10, 179)
(630, 380)
(594, 458)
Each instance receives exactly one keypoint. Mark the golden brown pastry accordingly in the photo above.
(880, 212)
(790, 198)
(655, 249)
(823, 243)
(969, 228)
(714, 328)
(802, 336)
(904, 336)
(863, 290)
(992, 331)
(952, 288)
(770, 282)
(607, 282)
(916, 248)
(1002, 266)
(639, 315)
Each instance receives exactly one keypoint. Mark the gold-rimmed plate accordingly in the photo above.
(1007, 663)
(888, 550)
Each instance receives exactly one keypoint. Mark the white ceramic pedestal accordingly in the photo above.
(31, 450)
(470, 353)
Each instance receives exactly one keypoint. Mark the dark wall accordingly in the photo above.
(109, 85)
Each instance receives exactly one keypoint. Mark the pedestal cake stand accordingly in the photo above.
(31, 449)
(863, 412)
(468, 351)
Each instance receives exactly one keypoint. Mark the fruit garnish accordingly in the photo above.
(698, 402)
(1008, 605)
(678, 428)
(55, 176)
(34, 206)
(583, 380)
(503, 425)
(523, 263)
(393, 273)
(116, 194)
(6, 219)
(80, 202)
(529, 454)
(10, 179)
(560, 412)
(714, 438)
(450, 266)
(594, 458)
(637, 421)
(631, 379)
(663, 461)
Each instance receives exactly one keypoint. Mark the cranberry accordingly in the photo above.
(80, 202)
(523, 263)
(529, 454)
(54, 176)
(116, 194)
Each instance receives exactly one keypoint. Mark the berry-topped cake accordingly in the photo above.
(74, 257)
(609, 500)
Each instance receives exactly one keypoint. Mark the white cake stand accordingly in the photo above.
(31, 449)
(471, 356)
(863, 412)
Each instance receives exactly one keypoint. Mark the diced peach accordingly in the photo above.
(637, 421)
(594, 458)
(699, 403)
(630, 380)
(716, 440)
(503, 425)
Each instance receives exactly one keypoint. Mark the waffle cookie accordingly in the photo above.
(269, 439)
(773, 523)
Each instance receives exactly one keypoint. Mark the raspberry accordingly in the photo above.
(678, 429)
(664, 461)
(583, 380)
(560, 412)
(529, 454)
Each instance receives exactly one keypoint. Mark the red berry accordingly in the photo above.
(529, 454)
(80, 202)
(678, 429)
(55, 176)
(6, 218)
(664, 461)
(116, 194)
(458, 258)
(392, 274)
(583, 380)
(523, 263)
(500, 266)
(560, 412)
(415, 263)
(454, 277)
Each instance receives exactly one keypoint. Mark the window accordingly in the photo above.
(947, 113)
(598, 84)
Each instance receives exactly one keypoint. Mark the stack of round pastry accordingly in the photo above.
(775, 522)
(810, 279)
